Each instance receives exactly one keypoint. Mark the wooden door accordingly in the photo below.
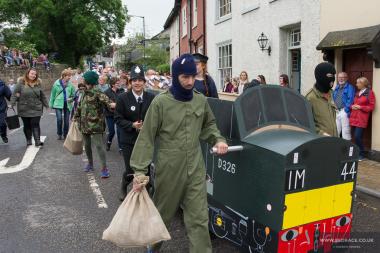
(357, 63)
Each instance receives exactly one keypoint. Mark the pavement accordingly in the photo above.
(368, 180)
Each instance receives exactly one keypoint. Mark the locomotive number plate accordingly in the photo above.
(227, 166)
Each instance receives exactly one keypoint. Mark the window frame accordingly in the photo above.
(227, 5)
(295, 32)
(195, 13)
(224, 63)
(184, 21)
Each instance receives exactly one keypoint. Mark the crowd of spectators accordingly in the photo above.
(16, 57)
(154, 79)
(237, 85)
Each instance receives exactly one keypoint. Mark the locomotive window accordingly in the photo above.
(252, 111)
(273, 104)
(296, 109)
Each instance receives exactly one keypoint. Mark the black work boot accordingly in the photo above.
(37, 137)
(108, 146)
(28, 136)
(123, 189)
(5, 139)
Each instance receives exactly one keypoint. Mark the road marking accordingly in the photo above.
(52, 113)
(26, 161)
(96, 190)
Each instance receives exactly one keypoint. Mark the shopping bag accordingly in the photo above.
(13, 121)
(137, 222)
(74, 140)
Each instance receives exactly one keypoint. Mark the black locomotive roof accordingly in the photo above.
(268, 105)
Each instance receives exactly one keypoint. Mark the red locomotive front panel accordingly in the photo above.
(317, 236)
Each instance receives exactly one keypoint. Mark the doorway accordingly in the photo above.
(357, 63)
(295, 76)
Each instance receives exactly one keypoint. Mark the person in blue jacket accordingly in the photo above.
(5, 93)
(344, 94)
(203, 81)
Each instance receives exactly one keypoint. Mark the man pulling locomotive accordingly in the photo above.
(179, 118)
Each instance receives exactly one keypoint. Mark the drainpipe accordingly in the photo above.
(179, 33)
(204, 28)
(190, 23)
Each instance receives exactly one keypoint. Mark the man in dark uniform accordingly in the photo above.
(203, 81)
(130, 111)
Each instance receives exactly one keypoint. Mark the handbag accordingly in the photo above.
(13, 121)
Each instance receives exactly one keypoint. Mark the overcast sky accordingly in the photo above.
(154, 11)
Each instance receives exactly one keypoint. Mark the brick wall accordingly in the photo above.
(47, 77)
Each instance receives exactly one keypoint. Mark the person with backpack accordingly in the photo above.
(61, 97)
(364, 104)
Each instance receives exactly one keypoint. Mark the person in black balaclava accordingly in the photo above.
(325, 77)
(179, 118)
(184, 66)
(320, 98)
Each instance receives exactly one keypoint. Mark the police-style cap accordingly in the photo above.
(200, 58)
(137, 72)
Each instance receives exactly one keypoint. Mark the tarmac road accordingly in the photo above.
(50, 206)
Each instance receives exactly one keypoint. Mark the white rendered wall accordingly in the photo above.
(252, 17)
(174, 39)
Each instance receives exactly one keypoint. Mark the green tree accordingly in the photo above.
(72, 28)
(133, 45)
(155, 56)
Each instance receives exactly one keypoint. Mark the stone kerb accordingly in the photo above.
(48, 77)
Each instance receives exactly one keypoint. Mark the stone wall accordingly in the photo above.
(48, 77)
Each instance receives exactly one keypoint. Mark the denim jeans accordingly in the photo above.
(65, 120)
(358, 134)
(111, 130)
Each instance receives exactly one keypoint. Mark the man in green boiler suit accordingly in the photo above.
(179, 118)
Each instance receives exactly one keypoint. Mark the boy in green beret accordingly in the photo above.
(90, 118)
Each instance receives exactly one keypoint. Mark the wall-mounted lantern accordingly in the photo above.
(263, 42)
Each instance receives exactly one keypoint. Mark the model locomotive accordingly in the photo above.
(285, 189)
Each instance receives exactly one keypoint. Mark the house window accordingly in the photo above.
(195, 13)
(224, 7)
(184, 22)
(225, 62)
(295, 38)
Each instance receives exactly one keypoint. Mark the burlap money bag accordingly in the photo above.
(74, 140)
(137, 222)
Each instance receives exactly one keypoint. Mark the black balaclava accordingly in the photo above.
(324, 76)
(183, 65)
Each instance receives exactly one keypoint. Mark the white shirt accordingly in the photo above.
(137, 96)
(362, 91)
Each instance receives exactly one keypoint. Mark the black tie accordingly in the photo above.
(139, 101)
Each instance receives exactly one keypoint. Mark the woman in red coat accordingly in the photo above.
(363, 105)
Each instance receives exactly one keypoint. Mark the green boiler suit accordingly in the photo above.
(174, 129)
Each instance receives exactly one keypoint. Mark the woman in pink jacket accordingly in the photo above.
(364, 104)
